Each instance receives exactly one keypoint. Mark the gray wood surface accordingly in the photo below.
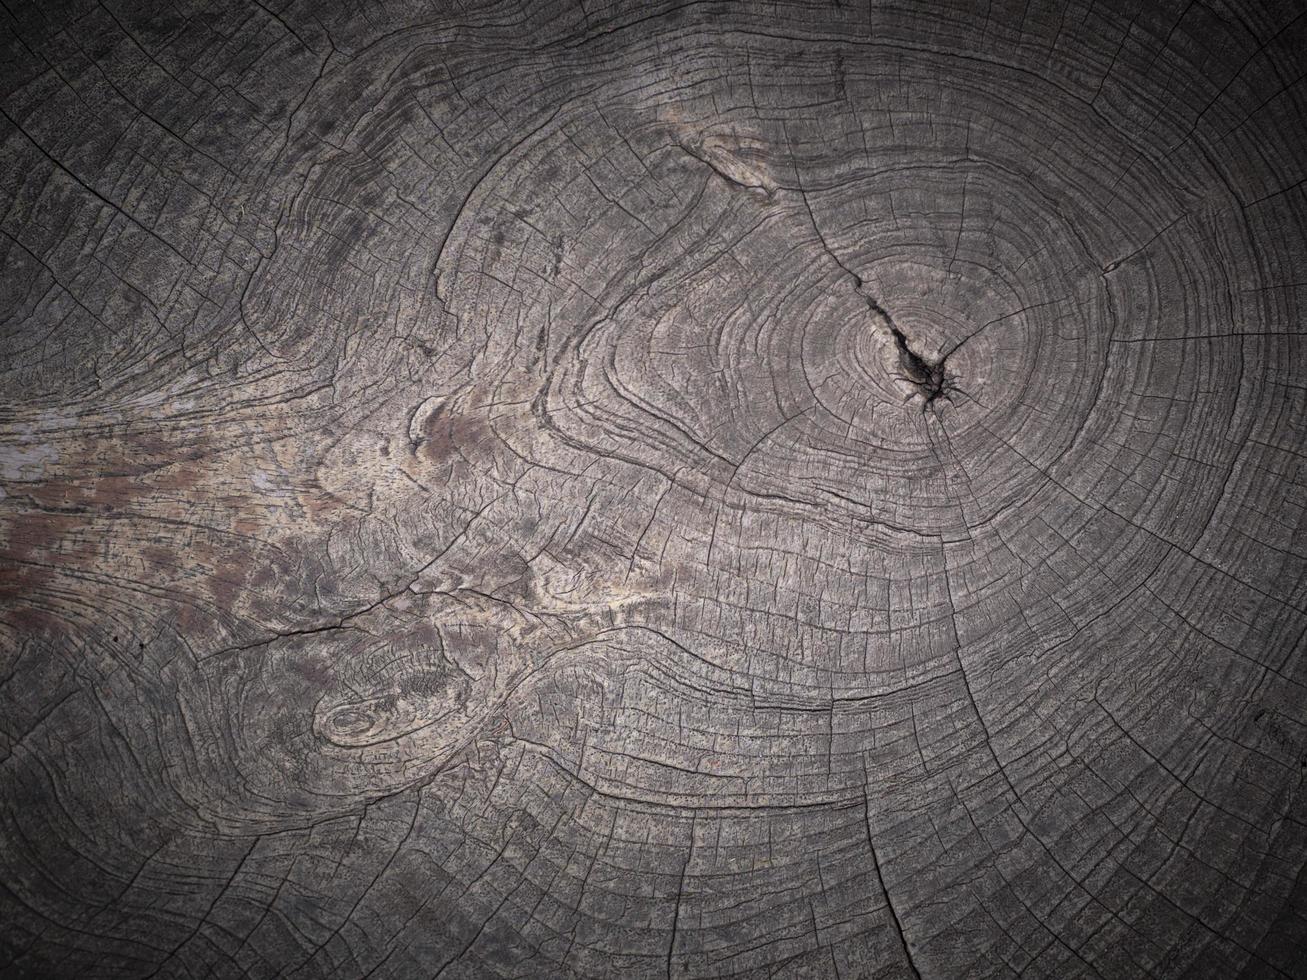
(643, 490)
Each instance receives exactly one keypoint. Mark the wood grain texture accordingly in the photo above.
(645, 490)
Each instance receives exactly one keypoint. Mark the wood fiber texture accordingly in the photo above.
(643, 490)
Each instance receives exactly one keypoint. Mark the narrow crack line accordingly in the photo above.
(998, 319)
(680, 893)
(889, 902)
(927, 375)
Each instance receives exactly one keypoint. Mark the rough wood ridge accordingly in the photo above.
(653, 490)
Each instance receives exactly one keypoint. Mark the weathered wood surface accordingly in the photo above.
(641, 490)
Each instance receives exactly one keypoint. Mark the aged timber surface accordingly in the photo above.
(644, 490)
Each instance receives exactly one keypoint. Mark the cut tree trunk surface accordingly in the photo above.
(643, 490)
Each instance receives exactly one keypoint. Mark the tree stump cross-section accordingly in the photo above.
(653, 490)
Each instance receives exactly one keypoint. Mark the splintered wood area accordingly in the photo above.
(653, 490)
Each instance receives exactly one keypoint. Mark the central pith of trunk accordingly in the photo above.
(927, 375)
